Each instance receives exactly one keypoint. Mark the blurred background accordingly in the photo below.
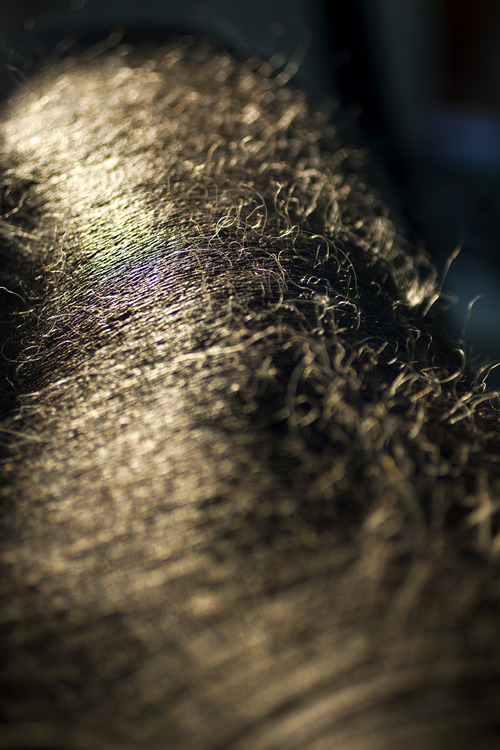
(421, 78)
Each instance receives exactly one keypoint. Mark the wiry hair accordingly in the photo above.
(250, 495)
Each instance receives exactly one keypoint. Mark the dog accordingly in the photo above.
(249, 490)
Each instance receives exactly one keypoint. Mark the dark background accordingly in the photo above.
(419, 77)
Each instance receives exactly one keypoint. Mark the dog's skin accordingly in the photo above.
(250, 493)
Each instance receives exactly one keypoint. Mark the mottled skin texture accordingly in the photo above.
(250, 494)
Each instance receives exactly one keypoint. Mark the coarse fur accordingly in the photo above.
(250, 495)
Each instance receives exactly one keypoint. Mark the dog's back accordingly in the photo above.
(250, 496)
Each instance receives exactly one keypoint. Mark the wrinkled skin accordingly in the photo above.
(250, 493)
